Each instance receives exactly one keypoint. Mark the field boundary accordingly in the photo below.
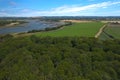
(100, 31)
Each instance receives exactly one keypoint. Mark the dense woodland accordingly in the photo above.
(67, 58)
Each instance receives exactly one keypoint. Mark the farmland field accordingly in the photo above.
(88, 29)
(111, 30)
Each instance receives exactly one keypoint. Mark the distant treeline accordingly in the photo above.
(52, 28)
(57, 18)
(94, 18)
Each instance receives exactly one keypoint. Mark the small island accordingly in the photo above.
(11, 23)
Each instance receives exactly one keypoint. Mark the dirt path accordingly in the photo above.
(100, 31)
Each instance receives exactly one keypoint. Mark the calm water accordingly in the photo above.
(31, 25)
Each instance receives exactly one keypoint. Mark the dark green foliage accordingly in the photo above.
(5, 37)
(67, 58)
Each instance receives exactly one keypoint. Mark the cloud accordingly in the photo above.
(67, 10)
(91, 0)
(64, 10)
(12, 3)
(26, 10)
(4, 14)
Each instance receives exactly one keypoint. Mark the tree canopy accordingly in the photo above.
(59, 58)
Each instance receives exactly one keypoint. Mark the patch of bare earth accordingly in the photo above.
(76, 21)
(11, 24)
(110, 21)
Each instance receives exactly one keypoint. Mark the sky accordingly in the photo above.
(35, 8)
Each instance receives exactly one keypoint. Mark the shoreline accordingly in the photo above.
(38, 31)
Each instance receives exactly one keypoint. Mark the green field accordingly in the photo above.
(76, 29)
(112, 30)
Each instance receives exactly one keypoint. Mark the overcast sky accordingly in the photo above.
(27, 8)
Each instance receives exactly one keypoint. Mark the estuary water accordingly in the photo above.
(31, 25)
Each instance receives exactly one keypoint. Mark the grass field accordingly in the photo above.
(88, 29)
(112, 30)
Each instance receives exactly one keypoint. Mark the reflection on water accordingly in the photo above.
(31, 25)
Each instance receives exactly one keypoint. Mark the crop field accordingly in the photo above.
(88, 29)
(111, 31)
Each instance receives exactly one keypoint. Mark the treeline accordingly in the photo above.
(67, 58)
(51, 28)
